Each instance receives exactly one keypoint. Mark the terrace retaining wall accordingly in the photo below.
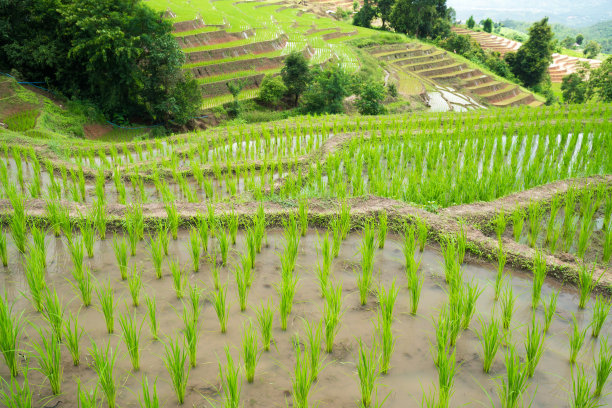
(212, 37)
(222, 53)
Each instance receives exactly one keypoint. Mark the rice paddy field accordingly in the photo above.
(430, 259)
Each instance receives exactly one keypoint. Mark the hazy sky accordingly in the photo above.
(570, 12)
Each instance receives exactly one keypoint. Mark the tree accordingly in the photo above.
(272, 89)
(600, 81)
(119, 55)
(326, 91)
(470, 22)
(592, 49)
(383, 9)
(296, 75)
(417, 17)
(365, 15)
(579, 39)
(235, 87)
(370, 98)
(574, 88)
(530, 63)
(487, 25)
(568, 42)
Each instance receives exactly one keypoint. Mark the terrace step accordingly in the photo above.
(474, 82)
(463, 73)
(230, 52)
(488, 87)
(213, 37)
(426, 65)
(423, 58)
(447, 69)
(520, 99)
(506, 92)
(406, 53)
(218, 88)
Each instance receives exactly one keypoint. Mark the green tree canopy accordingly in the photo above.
(370, 98)
(574, 88)
(579, 39)
(470, 22)
(530, 63)
(592, 49)
(327, 90)
(487, 25)
(119, 54)
(272, 89)
(417, 17)
(296, 75)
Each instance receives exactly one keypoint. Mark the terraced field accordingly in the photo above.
(458, 82)
(228, 40)
(561, 66)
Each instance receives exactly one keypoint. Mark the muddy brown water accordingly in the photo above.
(412, 372)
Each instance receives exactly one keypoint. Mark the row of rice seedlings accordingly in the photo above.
(332, 312)
(539, 274)
(179, 280)
(221, 306)
(72, 337)
(10, 335)
(107, 302)
(364, 280)
(152, 313)
(386, 301)
(34, 269)
(103, 363)
(534, 346)
(131, 337)
(191, 321)
(550, 309)
(601, 309)
(250, 351)
(513, 386)
(121, 254)
(576, 340)
(368, 371)
(17, 222)
(491, 338)
(53, 311)
(3, 249)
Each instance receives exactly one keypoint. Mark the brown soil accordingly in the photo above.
(95, 131)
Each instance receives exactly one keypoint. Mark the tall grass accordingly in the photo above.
(103, 363)
(600, 313)
(10, 335)
(230, 382)
(175, 359)
(265, 318)
(131, 338)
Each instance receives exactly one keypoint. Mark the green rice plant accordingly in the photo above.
(106, 299)
(175, 358)
(422, 231)
(76, 253)
(246, 268)
(89, 236)
(48, 354)
(87, 399)
(576, 340)
(447, 369)
(38, 236)
(451, 264)
(83, 284)
(72, 336)
(581, 390)
(534, 346)
(10, 336)
(232, 226)
(518, 220)
(173, 220)
(196, 249)
(133, 225)
(243, 288)
(219, 301)
(16, 395)
(603, 367)
(135, 285)
(286, 290)
(178, 279)
(250, 351)
(251, 242)
(507, 306)
(364, 280)
(214, 270)
(265, 318)
(3, 249)
(331, 314)
(336, 237)
(17, 222)
(162, 236)
(157, 255)
(100, 218)
(303, 216)
(549, 310)
(345, 219)
(501, 263)
(382, 229)
(152, 313)
(586, 283)
(150, 398)
(302, 379)
(368, 370)
(600, 313)
(461, 241)
(385, 341)
(515, 382)
(539, 274)
(131, 338)
(120, 248)
(195, 295)
(314, 337)
(386, 300)
(103, 363)
(415, 285)
(191, 333)
(53, 311)
(35, 276)
(408, 249)
(230, 382)
(471, 293)
(500, 223)
(536, 212)
(607, 244)
(490, 339)
(555, 206)
(204, 230)
(223, 240)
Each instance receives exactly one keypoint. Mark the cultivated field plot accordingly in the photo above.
(455, 258)
(226, 41)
